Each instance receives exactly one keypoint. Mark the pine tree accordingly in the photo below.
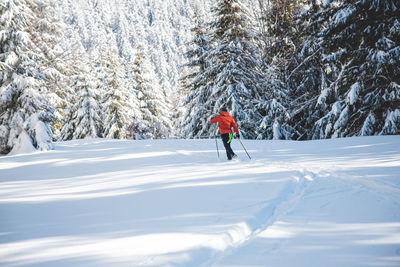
(116, 103)
(24, 111)
(151, 99)
(234, 71)
(307, 77)
(362, 41)
(273, 122)
(56, 67)
(196, 86)
(84, 119)
(278, 31)
(137, 129)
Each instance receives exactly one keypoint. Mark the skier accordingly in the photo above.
(225, 124)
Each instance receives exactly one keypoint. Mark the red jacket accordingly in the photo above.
(225, 123)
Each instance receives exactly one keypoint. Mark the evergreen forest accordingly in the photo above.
(140, 69)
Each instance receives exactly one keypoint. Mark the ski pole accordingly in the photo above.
(216, 142)
(244, 148)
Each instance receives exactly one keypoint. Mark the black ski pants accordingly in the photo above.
(226, 139)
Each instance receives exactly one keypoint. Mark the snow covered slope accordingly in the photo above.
(174, 203)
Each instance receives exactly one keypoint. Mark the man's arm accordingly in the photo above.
(214, 119)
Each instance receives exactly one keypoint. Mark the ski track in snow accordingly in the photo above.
(268, 214)
(173, 203)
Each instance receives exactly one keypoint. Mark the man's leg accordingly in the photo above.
(233, 155)
(226, 139)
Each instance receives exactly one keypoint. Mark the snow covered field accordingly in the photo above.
(174, 203)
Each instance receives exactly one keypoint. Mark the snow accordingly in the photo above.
(369, 122)
(336, 108)
(343, 15)
(277, 131)
(11, 59)
(323, 96)
(100, 202)
(390, 122)
(23, 145)
(352, 96)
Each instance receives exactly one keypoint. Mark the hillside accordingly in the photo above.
(160, 28)
(101, 202)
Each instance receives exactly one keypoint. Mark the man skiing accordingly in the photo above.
(225, 124)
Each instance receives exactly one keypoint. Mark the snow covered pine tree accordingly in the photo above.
(197, 90)
(154, 111)
(84, 119)
(25, 115)
(233, 77)
(278, 34)
(362, 41)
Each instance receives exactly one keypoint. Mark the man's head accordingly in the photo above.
(224, 109)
